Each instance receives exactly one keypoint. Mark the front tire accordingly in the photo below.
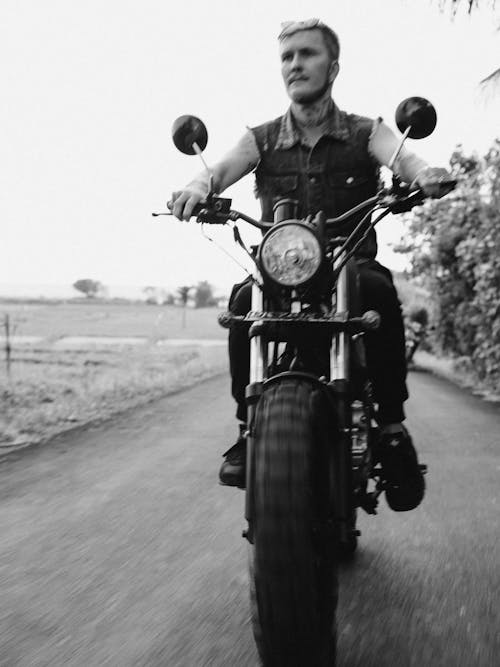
(293, 559)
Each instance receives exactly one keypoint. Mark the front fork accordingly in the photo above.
(341, 465)
(258, 344)
(258, 370)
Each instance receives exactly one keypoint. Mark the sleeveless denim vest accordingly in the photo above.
(333, 176)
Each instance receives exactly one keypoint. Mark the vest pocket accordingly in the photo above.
(347, 189)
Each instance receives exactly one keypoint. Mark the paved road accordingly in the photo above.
(119, 548)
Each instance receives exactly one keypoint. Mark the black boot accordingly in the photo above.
(232, 471)
(405, 484)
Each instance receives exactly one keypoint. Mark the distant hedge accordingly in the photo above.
(454, 247)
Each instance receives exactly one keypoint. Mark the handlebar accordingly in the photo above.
(220, 215)
(217, 211)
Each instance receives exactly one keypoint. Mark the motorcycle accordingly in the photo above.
(416, 331)
(312, 436)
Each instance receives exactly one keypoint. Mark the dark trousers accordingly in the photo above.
(385, 348)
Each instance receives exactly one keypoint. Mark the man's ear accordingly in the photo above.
(333, 71)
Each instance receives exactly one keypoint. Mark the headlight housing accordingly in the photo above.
(290, 254)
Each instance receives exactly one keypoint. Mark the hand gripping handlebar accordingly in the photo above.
(217, 210)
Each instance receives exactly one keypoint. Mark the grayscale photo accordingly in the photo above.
(250, 333)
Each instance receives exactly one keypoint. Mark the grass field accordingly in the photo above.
(51, 388)
(53, 321)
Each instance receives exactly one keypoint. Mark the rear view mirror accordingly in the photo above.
(416, 117)
(190, 135)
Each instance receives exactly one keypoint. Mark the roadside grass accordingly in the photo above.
(49, 392)
(51, 389)
(457, 370)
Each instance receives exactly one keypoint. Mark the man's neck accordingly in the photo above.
(312, 116)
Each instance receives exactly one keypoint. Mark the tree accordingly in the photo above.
(494, 77)
(150, 294)
(155, 296)
(454, 247)
(471, 4)
(204, 295)
(183, 293)
(89, 287)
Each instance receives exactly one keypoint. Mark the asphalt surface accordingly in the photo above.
(118, 547)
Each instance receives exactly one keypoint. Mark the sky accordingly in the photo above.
(91, 89)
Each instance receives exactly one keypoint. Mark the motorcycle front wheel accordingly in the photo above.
(293, 560)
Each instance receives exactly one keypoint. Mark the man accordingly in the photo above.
(327, 160)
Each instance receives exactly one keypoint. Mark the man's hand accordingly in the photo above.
(183, 202)
(241, 160)
(435, 182)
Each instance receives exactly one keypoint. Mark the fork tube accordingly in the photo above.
(342, 474)
(258, 364)
(340, 353)
(258, 347)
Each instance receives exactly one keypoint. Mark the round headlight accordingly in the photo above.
(290, 254)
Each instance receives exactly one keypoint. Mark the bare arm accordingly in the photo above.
(383, 143)
(408, 166)
(238, 162)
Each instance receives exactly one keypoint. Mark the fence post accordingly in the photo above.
(8, 348)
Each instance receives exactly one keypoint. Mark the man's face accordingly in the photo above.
(306, 66)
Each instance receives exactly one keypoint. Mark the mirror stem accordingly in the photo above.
(198, 152)
(398, 149)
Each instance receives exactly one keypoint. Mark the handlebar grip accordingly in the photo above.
(449, 184)
(197, 208)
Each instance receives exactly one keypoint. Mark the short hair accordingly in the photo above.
(330, 36)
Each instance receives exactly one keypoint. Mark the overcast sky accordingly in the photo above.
(91, 88)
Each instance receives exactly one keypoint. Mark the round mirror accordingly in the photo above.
(188, 130)
(418, 114)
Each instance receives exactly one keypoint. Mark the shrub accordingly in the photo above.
(454, 247)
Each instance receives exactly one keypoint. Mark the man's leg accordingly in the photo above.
(385, 348)
(239, 347)
(386, 360)
(232, 472)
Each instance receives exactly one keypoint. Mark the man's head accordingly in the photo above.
(309, 52)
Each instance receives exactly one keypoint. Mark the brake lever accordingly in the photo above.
(404, 205)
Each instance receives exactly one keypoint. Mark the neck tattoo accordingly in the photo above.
(310, 116)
